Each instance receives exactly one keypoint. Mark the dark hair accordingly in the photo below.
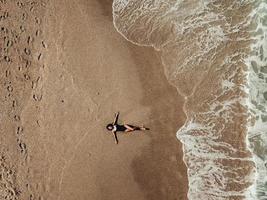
(109, 127)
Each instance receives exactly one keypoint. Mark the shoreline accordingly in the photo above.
(167, 124)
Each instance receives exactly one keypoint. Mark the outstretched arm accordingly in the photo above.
(115, 137)
(116, 118)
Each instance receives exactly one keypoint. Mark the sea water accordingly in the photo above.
(214, 53)
(257, 90)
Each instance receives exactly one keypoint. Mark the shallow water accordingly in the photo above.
(214, 53)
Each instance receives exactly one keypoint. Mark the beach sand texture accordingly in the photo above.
(65, 71)
(194, 72)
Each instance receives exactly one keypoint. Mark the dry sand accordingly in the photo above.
(86, 73)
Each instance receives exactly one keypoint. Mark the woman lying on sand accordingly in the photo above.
(115, 127)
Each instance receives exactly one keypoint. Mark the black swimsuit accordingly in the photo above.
(120, 127)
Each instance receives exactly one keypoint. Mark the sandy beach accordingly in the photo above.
(86, 72)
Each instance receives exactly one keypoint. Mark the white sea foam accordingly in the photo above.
(257, 88)
(193, 36)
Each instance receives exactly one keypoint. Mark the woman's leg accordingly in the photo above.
(129, 128)
(134, 128)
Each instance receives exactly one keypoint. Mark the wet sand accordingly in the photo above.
(88, 72)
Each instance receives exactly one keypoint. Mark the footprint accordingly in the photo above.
(7, 59)
(35, 83)
(20, 4)
(32, 8)
(7, 82)
(5, 50)
(22, 28)
(29, 39)
(24, 16)
(44, 44)
(37, 20)
(4, 30)
(9, 43)
(17, 118)
(43, 3)
(27, 77)
(28, 63)
(31, 197)
(4, 16)
(37, 97)
(9, 88)
(38, 123)
(38, 32)
(23, 147)
(19, 130)
(14, 103)
(8, 73)
(27, 51)
(39, 56)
